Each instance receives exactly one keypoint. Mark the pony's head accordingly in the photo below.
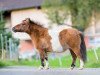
(23, 26)
(29, 26)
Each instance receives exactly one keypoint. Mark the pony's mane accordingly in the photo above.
(36, 23)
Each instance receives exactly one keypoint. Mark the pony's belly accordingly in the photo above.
(54, 33)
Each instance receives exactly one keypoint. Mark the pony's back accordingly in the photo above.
(54, 33)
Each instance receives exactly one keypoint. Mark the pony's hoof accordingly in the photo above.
(41, 68)
(46, 68)
(71, 68)
(81, 68)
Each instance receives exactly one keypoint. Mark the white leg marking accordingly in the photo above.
(47, 64)
(81, 64)
(41, 67)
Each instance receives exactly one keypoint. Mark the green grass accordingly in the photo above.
(54, 63)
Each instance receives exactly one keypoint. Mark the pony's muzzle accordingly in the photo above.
(13, 29)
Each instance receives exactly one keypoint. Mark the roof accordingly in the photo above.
(6, 5)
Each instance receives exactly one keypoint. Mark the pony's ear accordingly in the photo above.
(27, 20)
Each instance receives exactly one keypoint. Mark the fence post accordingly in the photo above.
(95, 54)
(10, 52)
(16, 50)
(1, 16)
(60, 62)
(2, 46)
(6, 43)
(6, 46)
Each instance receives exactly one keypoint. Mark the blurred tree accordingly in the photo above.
(81, 10)
(2, 22)
(6, 34)
(55, 10)
(4, 31)
(2, 25)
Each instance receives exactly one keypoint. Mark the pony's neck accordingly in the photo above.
(34, 39)
(36, 33)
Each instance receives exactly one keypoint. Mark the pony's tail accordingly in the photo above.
(83, 48)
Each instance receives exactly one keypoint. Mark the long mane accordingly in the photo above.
(36, 23)
(39, 29)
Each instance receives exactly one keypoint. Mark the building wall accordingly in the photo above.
(92, 33)
(26, 49)
(26, 46)
(94, 27)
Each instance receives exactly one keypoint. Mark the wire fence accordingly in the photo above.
(9, 49)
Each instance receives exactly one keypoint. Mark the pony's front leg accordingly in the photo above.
(42, 64)
(42, 58)
(47, 63)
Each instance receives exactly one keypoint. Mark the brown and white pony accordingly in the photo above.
(45, 41)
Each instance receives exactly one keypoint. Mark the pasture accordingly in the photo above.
(92, 62)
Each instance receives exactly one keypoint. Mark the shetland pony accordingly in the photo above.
(45, 41)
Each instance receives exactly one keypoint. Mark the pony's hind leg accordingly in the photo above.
(81, 64)
(74, 58)
(78, 54)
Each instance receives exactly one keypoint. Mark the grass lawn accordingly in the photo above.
(54, 63)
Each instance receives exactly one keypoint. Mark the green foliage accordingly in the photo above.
(51, 3)
(54, 63)
(5, 32)
(80, 10)
(56, 16)
(55, 10)
(2, 25)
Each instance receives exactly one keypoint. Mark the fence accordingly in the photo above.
(8, 49)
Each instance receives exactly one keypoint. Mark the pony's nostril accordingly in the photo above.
(13, 29)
